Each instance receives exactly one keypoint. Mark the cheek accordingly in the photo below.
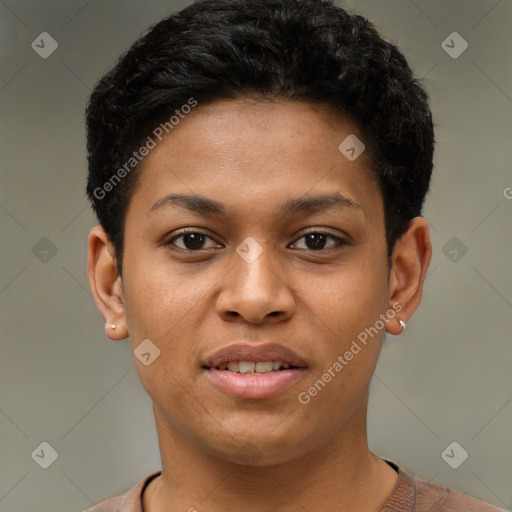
(166, 307)
(159, 309)
(349, 306)
(160, 297)
(349, 300)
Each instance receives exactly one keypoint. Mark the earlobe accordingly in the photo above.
(409, 263)
(105, 283)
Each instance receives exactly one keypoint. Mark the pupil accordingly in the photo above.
(315, 240)
(193, 240)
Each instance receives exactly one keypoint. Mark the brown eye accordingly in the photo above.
(317, 240)
(190, 241)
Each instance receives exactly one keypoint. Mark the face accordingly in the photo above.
(251, 237)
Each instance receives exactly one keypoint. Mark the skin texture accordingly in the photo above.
(221, 453)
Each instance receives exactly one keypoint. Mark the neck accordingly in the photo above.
(340, 475)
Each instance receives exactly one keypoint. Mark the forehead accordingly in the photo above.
(257, 152)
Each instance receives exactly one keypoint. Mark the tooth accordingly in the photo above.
(246, 366)
(233, 366)
(253, 367)
(264, 367)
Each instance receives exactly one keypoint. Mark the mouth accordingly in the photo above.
(254, 372)
(254, 367)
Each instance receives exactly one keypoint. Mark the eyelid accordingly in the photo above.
(184, 231)
(323, 231)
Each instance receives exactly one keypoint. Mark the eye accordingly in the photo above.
(190, 240)
(194, 241)
(316, 240)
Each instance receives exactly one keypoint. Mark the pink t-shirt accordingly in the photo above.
(409, 495)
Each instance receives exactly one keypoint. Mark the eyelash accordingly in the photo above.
(339, 241)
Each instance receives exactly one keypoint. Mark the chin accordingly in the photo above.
(263, 447)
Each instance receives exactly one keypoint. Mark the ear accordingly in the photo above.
(105, 283)
(409, 263)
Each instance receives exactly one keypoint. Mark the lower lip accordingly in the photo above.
(254, 386)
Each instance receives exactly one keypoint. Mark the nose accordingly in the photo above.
(256, 292)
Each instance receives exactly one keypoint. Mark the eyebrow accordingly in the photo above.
(203, 205)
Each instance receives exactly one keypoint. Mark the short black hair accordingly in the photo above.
(298, 50)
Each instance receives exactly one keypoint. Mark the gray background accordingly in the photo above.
(446, 379)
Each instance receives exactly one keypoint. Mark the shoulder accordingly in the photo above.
(129, 502)
(111, 505)
(430, 497)
(414, 495)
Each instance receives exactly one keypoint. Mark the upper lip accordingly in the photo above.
(256, 353)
